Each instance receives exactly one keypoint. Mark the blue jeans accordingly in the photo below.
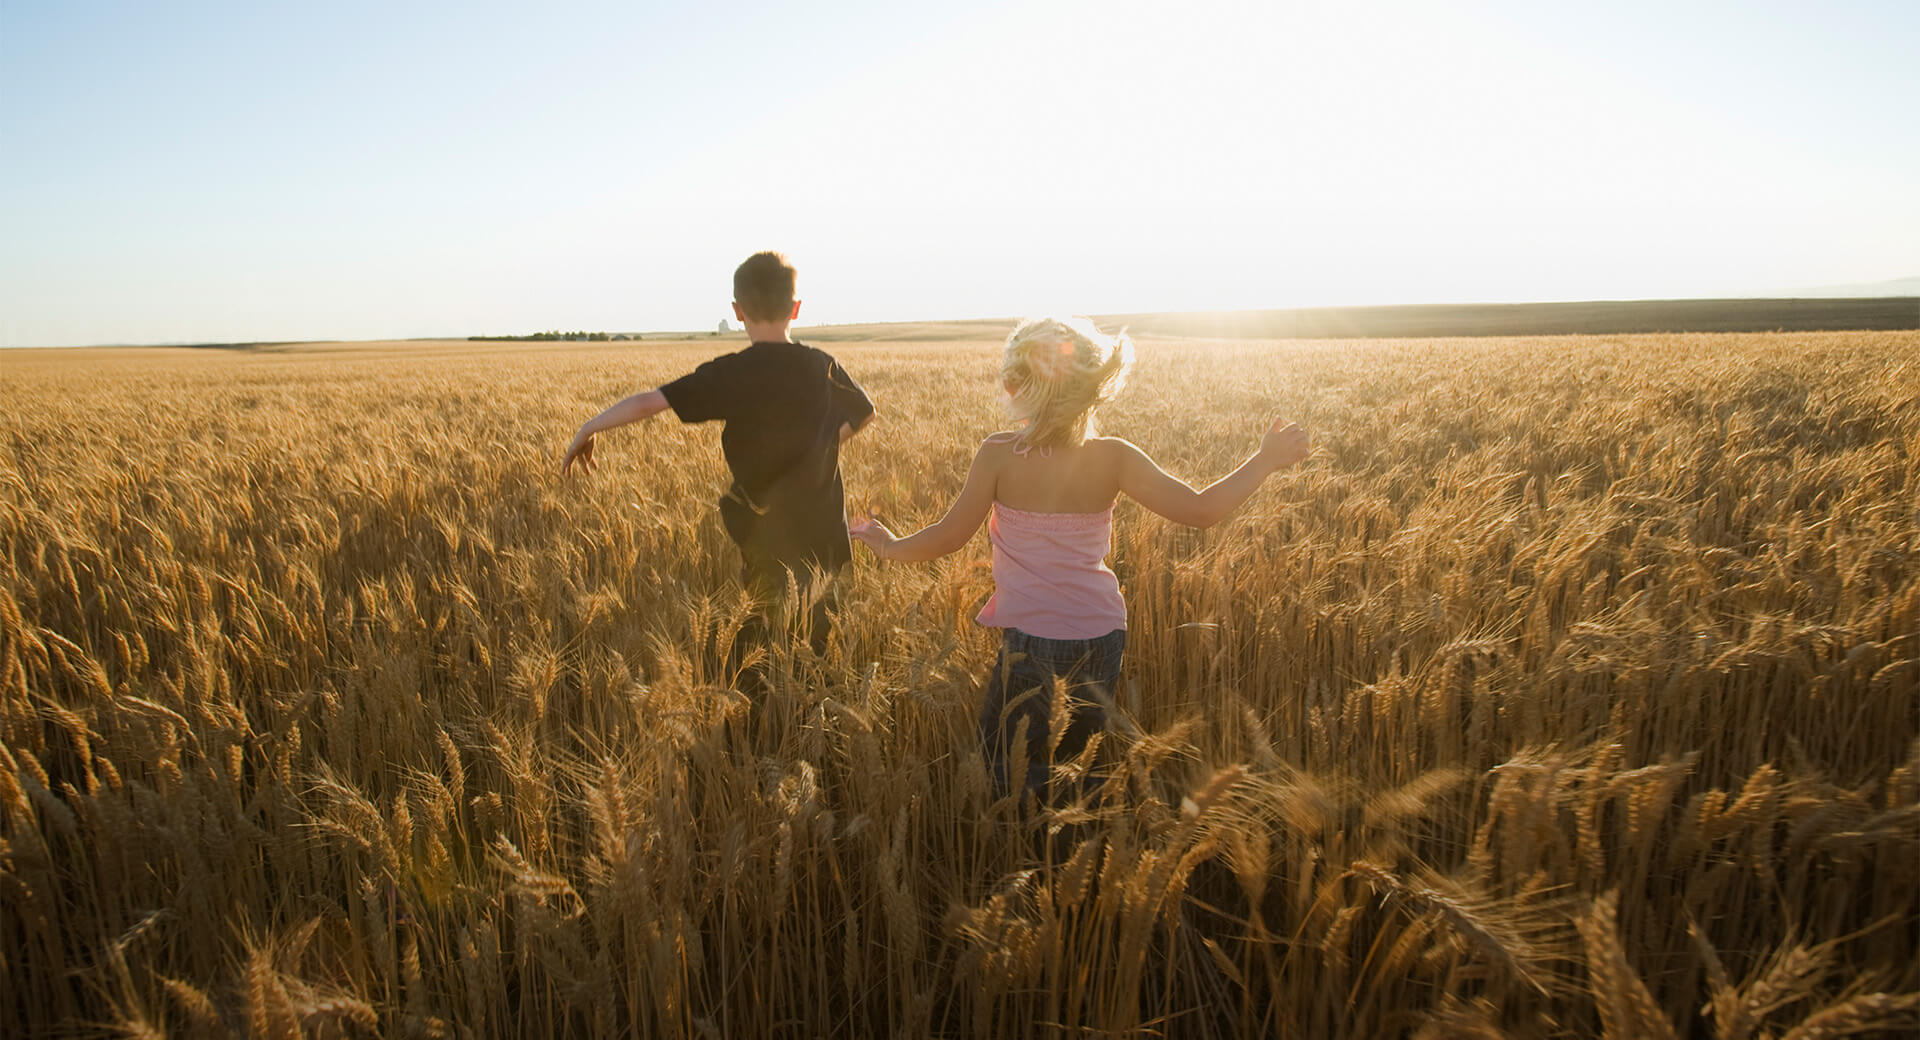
(1021, 690)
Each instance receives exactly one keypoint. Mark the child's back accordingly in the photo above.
(785, 405)
(1051, 527)
(1076, 478)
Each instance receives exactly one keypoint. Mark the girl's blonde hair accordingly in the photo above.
(1057, 371)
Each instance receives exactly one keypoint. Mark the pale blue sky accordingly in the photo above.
(236, 171)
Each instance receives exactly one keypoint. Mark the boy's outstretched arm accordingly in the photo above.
(952, 531)
(1146, 483)
(628, 410)
(848, 429)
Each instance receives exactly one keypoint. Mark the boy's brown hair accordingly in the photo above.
(764, 286)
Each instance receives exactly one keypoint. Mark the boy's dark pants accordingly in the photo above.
(770, 583)
(1021, 690)
(768, 586)
(776, 553)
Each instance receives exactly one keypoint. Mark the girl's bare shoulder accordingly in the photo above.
(998, 447)
(1113, 448)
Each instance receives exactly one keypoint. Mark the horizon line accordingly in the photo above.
(1812, 296)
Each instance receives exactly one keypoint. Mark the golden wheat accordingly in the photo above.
(326, 708)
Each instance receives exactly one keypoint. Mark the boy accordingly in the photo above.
(786, 408)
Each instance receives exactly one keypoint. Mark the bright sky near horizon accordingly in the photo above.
(219, 172)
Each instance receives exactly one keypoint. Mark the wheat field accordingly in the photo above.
(1569, 690)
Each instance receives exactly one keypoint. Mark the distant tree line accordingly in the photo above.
(552, 336)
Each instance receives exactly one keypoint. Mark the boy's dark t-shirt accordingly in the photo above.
(783, 405)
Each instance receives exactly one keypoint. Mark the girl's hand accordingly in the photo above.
(581, 451)
(873, 534)
(1284, 445)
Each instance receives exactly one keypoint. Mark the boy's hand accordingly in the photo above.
(581, 451)
(1284, 445)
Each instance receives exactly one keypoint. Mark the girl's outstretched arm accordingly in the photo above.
(1146, 483)
(951, 532)
(628, 410)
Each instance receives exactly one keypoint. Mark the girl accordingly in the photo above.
(1047, 491)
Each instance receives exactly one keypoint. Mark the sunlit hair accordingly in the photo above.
(1057, 371)
(764, 287)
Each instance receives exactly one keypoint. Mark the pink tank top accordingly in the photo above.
(1050, 577)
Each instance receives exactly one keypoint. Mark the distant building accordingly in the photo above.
(723, 326)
